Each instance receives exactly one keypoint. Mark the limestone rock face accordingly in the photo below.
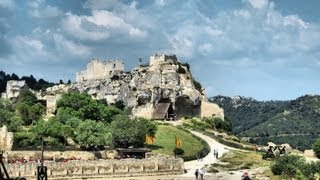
(164, 86)
(6, 139)
(164, 80)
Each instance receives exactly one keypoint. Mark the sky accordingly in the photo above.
(268, 50)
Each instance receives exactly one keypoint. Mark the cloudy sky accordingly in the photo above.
(258, 48)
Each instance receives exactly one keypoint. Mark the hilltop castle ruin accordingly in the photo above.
(162, 89)
(97, 69)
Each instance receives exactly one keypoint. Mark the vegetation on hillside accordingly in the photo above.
(213, 123)
(295, 167)
(79, 120)
(294, 122)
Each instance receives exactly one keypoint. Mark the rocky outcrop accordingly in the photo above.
(164, 80)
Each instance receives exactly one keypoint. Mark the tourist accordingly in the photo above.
(201, 172)
(214, 153)
(196, 173)
(245, 176)
(217, 154)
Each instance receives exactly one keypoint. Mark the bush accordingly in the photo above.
(181, 70)
(289, 165)
(316, 148)
(197, 85)
(178, 151)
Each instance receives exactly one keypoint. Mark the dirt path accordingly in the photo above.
(191, 166)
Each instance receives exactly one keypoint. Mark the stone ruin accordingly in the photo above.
(97, 69)
(13, 89)
(6, 139)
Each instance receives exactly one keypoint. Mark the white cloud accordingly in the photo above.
(7, 4)
(205, 49)
(46, 12)
(103, 24)
(32, 45)
(161, 2)
(73, 25)
(69, 47)
(294, 20)
(259, 3)
(100, 4)
(213, 32)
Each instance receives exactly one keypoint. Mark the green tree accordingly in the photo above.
(23, 111)
(316, 148)
(127, 132)
(92, 134)
(289, 165)
(26, 96)
(84, 107)
(36, 111)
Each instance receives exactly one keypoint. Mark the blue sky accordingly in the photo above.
(259, 48)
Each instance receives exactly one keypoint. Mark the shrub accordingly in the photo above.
(181, 70)
(197, 85)
(289, 165)
(316, 148)
(178, 151)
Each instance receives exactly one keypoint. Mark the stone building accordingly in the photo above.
(97, 69)
(13, 89)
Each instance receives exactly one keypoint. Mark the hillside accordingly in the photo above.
(295, 122)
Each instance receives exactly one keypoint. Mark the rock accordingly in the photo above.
(6, 139)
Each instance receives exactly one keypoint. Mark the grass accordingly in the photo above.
(165, 141)
(238, 160)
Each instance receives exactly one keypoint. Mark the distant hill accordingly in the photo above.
(295, 122)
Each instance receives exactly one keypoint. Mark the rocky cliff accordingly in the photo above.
(162, 89)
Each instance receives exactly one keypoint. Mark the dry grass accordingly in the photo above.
(239, 160)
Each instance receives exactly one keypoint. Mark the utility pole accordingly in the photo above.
(42, 170)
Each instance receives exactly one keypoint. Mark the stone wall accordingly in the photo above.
(78, 169)
(13, 89)
(6, 139)
(97, 69)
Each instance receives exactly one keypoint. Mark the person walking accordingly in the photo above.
(217, 155)
(196, 173)
(201, 172)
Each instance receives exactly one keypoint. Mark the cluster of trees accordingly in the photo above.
(89, 123)
(295, 167)
(30, 81)
(24, 112)
(294, 122)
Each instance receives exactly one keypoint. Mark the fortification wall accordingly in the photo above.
(162, 58)
(78, 169)
(13, 89)
(97, 69)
